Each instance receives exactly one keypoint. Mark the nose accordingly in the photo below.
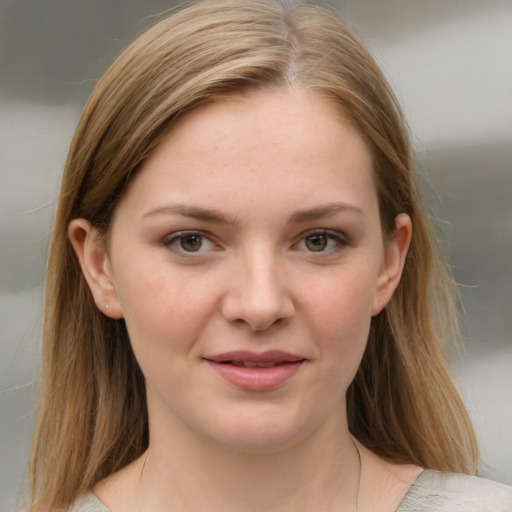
(257, 297)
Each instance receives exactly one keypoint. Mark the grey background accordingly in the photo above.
(449, 62)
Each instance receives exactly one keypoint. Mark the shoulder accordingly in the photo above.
(437, 492)
(88, 503)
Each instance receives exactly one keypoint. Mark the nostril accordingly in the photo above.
(258, 300)
(261, 326)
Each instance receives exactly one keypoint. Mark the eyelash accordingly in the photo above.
(327, 236)
(175, 241)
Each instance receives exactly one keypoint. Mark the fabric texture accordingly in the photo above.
(432, 492)
(452, 492)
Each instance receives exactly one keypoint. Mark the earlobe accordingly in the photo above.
(94, 261)
(394, 260)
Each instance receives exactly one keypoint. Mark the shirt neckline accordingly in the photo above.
(419, 479)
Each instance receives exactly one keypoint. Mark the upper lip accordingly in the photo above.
(269, 356)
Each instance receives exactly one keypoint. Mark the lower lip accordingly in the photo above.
(257, 378)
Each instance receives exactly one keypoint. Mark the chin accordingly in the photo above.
(257, 442)
(260, 433)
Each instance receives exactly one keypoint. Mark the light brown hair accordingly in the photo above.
(93, 420)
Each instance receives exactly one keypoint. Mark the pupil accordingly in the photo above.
(316, 242)
(191, 243)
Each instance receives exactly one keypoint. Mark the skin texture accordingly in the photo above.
(254, 226)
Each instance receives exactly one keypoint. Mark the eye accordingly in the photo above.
(189, 242)
(321, 241)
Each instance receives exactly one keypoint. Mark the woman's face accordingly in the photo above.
(247, 260)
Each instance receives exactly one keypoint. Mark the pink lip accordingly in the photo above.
(256, 378)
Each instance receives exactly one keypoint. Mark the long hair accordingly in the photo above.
(93, 419)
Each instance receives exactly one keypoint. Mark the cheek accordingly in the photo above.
(339, 311)
(162, 306)
(344, 297)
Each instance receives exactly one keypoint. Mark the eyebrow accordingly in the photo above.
(193, 212)
(216, 216)
(321, 212)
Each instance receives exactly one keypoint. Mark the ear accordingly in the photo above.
(393, 264)
(90, 249)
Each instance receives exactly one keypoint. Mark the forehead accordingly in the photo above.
(266, 143)
(269, 116)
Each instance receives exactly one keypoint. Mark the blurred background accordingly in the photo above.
(449, 61)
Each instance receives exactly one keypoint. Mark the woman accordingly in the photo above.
(243, 295)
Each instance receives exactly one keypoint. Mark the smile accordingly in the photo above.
(251, 371)
(250, 364)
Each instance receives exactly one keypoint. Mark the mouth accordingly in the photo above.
(253, 371)
(250, 364)
(246, 356)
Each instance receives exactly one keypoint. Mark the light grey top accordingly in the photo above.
(432, 492)
(452, 492)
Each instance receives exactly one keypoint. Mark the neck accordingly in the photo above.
(321, 472)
